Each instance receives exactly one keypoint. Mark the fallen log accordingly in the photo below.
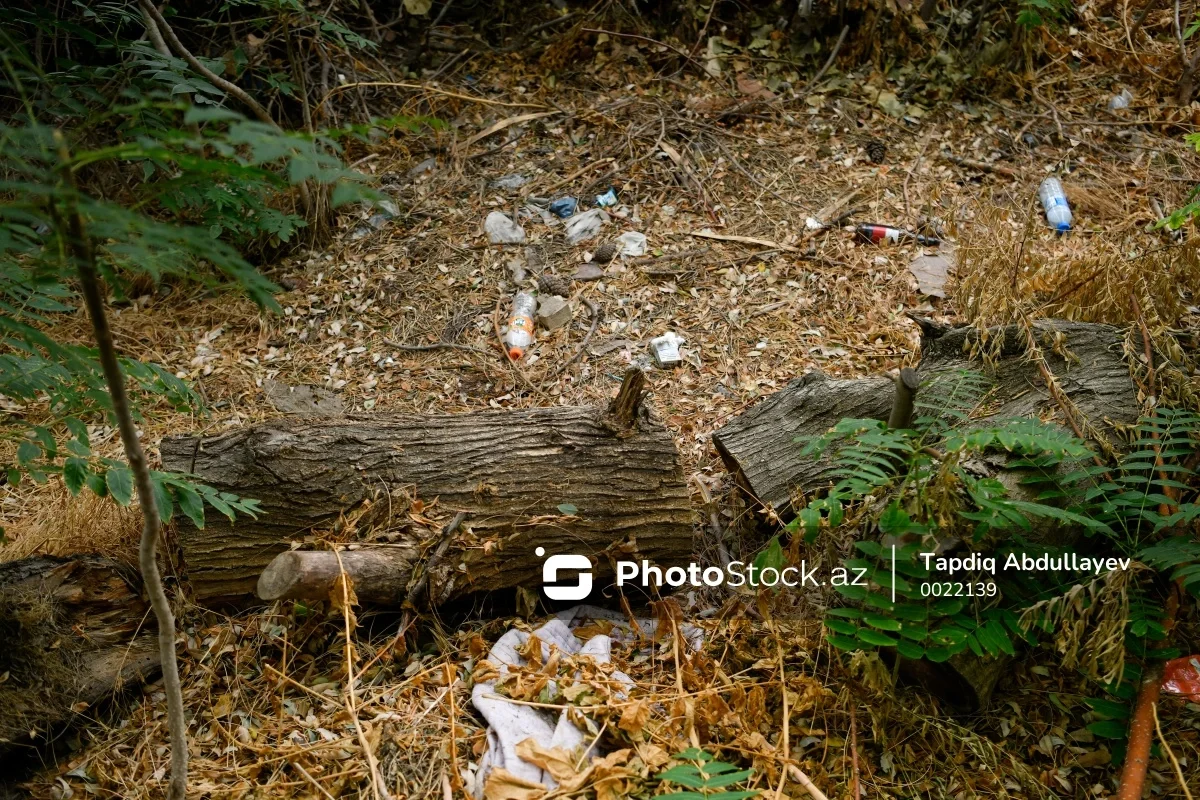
(568, 479)
(74, 634)
(760, 447)
(1086, 360)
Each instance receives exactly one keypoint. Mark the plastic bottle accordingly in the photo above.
(1054, 200)
(520, 325)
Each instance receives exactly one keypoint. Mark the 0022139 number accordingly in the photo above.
(958, 589)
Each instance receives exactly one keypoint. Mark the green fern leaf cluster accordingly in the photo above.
(903, 606)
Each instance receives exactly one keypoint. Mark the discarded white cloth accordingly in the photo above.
(509, 723)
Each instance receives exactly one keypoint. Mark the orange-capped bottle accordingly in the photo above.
(520, 325)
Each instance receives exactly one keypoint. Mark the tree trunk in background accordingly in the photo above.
(510, 470)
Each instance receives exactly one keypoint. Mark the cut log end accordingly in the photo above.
(281, 578)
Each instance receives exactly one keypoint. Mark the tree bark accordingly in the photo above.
(1086, 360)
(760, 446)
(509, 470)
(380, 575)
(70, 633)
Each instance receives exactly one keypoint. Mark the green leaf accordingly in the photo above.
(771, 557)
(875, 638)
(46, 438)
(939, 654)
(96, 483)
(120, 484)
(909, 649)
(190, 503)
(1108, 708)
(75, 475)
(880, 622)
(841, 626)
(28, 452)
(568, 509)
(162, 497)
(1108, 729)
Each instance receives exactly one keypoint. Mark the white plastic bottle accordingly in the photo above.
(520, 325)
(1054, 200)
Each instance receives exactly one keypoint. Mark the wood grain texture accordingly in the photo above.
(509, 469)
(760, 445)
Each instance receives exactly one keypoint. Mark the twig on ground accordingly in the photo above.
(856, 780)
(421, 348)
(744, 240)
(377, 785)
(501, 125)
(297, 766)
(982, 166)
(785, 712)
(681, 255)
(915, 166)
(424, 88)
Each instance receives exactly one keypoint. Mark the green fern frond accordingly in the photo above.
(947, 399)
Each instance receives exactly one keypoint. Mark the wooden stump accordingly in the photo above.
(760, 446)
(511, 471)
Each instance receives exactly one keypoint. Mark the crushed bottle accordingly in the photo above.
(607, 199)
(880, 234)
(520, 325)
(1054, 200)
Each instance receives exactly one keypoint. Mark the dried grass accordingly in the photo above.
(47, 520)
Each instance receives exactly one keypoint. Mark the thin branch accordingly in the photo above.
(829, 61)
(82, 254)
(216, 80)
(155, 36)
(421, 348)
(595, 311)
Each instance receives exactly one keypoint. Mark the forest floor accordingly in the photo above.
(690, 164)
